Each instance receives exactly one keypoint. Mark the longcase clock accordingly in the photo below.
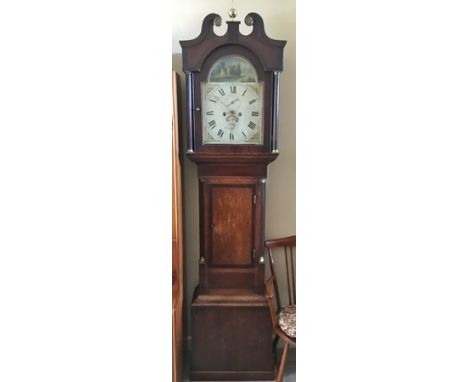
(232, 125)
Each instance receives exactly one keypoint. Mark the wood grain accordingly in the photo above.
(232, 225)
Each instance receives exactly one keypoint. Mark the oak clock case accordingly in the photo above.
(232, 127)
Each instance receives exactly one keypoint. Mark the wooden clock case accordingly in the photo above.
(231, 328)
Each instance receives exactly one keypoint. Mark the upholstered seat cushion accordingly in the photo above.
(287, 320)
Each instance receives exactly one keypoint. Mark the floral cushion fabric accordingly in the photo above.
(287, 320)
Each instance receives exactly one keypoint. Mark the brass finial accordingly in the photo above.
(232, 13)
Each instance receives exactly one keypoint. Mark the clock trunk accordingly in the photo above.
(232, 221)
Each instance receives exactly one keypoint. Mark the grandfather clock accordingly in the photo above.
(232, 90)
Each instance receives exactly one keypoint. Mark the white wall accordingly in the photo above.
(279, 17)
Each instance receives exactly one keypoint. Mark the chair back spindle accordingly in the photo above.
(274, 279)
(270, 297)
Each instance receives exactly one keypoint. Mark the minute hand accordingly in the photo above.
(237, 99)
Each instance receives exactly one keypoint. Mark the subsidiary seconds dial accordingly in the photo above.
(232, 113)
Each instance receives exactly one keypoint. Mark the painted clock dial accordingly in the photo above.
(232, 103)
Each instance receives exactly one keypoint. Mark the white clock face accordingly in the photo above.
(232, 113)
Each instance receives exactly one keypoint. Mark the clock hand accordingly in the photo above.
(221, 102)
(237, 99)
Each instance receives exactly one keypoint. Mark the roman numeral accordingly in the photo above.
(221, 91)
(252, 125)
(255, 114)
(233, 89)
(251, 102)
(220, 133)
(212, 123)
(231, 136)
(245, 136)
(244, 92)
(212, 100)
(210, 113)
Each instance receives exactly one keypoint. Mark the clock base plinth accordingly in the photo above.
(231, 337)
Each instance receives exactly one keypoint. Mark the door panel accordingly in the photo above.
(232, 215)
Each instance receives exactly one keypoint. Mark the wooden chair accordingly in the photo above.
(283, 316)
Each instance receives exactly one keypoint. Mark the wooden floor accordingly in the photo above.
(289, 375)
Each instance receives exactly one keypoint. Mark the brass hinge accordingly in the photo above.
(253, 253)
(255, 199)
